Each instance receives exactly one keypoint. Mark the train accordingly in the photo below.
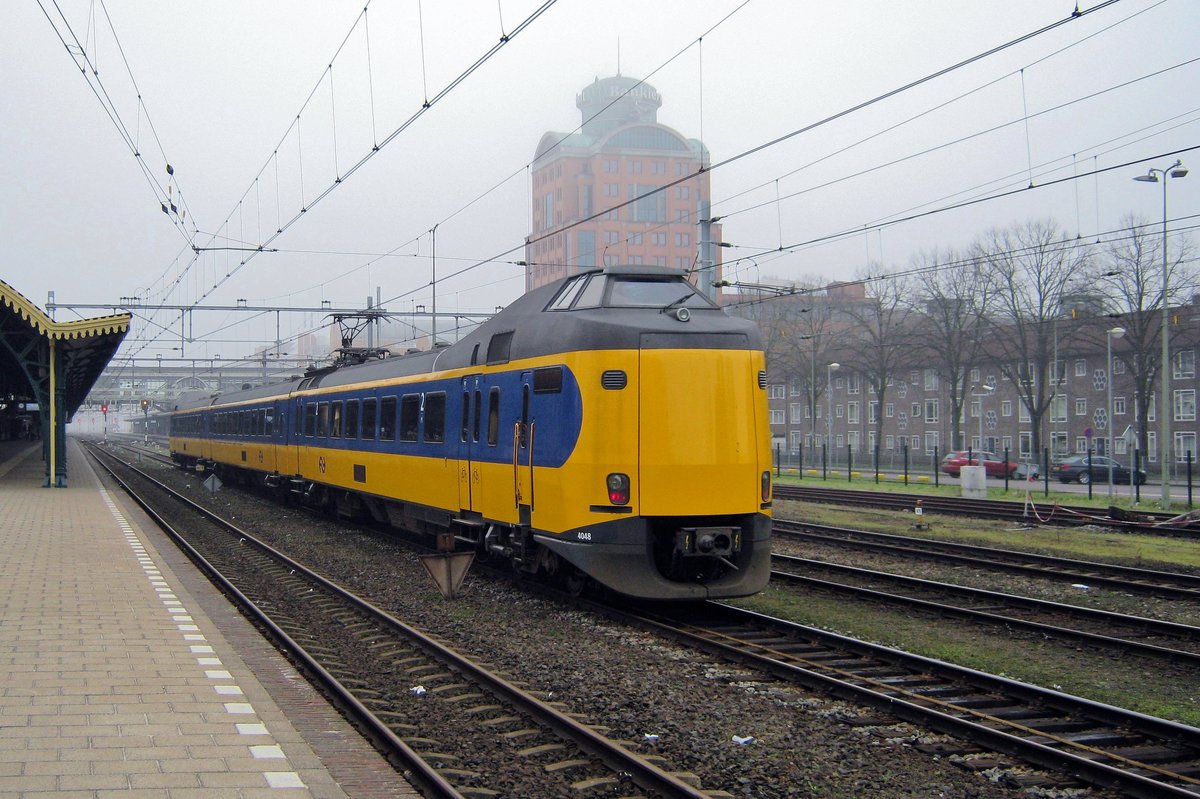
(610, 428)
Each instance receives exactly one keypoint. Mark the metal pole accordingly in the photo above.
(433, 285)
(1164, 401)
(1109, 447)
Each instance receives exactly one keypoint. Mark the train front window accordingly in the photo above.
(635, 292)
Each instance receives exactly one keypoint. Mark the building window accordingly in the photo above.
(658, 239)
(853, 383)
(914, 377)
(796, 412)
(840, 441)
(1185, 444)
(1080, 406)
(683, 193)
(776, 391)
(1152, 446)
(1081, 445)
(931, 380)
(975, 405)
(931, 411)
(1026, 444)
(889, 411)
(1118, 366)
(611, 237)
(1184, 364)
(1185, 405)
(873, 412)
(635, 167)
(839, 410)
(683, 216)
(683, 262)
(777, 417)
(610, 165)
(660, 260)
(852, 440)
(680, 169)
(1081, 368)
(683, 239)
(916, 410)
(975, 375)
(1118, 406)
(635, 239)
(1023, 411)
(931, 442)
(1006, 407)
(610, 190)
(658, 167)
(852, 413)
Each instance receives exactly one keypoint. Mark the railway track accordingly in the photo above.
(1098, 744)
(1134, 635)
(1123, 578)
(457, 728)
(991, 509)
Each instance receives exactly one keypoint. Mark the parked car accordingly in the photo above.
(1075, 470)
(993, 465)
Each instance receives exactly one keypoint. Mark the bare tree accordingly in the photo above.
(1129, 275)
(880, 334)
(1028, 268)
(949, 324)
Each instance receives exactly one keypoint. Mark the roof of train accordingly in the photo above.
(535, 332)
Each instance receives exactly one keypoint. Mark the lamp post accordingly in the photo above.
(1155, 175)
(1116, 332)
(829, 370)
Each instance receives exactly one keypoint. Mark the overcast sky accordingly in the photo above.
(223, 81)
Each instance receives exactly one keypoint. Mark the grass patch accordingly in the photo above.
(924, 484)
(1155, 688)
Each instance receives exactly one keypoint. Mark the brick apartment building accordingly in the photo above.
(620, 153)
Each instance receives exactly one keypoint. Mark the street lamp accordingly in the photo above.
(1116, 332)
(988, 389)
(1176, 170)
(829, 370)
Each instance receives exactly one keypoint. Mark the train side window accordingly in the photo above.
(493, 417)
(466, 415)
(269, 422)
(323, 420)
(548, 380)
(387, 419)
(310, 419)
(435, 418)
(475, 425)
(298, 419)
(351, 418)
(500, 348)
(565, 297)
(335, 419)
(410, 416)
(592, 294)
(370, 413)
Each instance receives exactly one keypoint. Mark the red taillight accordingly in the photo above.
(766, 486)
(618, 488)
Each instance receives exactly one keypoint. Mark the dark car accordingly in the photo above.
(993, 465)
(1075, 470)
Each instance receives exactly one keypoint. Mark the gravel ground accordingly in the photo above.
(666, 700)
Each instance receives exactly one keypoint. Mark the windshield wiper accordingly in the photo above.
(672, 304)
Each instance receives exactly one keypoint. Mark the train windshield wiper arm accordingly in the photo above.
(672, 304)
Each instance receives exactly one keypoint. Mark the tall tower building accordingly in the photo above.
(582, 180)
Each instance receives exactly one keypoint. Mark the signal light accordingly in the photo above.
(766, 486)
(104, 409)
(618, 488)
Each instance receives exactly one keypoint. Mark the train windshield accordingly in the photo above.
(629, 291)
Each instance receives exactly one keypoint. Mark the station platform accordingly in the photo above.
(127, 673)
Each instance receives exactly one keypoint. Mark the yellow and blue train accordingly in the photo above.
(611, 426)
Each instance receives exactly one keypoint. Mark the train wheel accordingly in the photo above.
(576, 582)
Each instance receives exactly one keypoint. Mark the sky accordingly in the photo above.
(309, 117)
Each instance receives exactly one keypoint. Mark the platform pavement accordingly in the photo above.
(117, 682)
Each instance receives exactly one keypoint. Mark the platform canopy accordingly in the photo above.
(53, 364)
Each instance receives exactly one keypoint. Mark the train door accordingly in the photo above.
(523, 441)
(470, 491)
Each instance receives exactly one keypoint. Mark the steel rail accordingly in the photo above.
(644, 773)
(421, 772)
(972, 614)
(1127, 578)
(831, 672)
